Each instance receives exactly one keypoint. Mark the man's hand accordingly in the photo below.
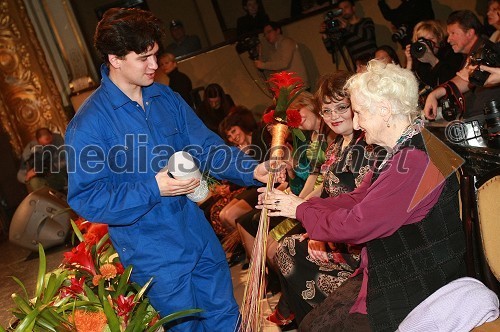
(261, 172)
(171, 187)
(431, 103)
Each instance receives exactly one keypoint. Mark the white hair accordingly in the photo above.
(386, 83)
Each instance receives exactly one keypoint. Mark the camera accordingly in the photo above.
(492, 123)
(418, 48)
(333, 24)
(487, 55)
(400, 34)
(249, 44)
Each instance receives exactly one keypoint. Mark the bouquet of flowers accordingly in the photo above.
(90, 291)
(285, 86)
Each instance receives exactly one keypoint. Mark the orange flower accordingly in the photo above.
(108, 271)
(89, 321)
(95, 279)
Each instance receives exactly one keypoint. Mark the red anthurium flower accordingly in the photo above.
(268, 117)
(124, 305)
(80, 256)
(293, 118)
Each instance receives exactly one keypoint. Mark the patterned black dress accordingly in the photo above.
(306, 282)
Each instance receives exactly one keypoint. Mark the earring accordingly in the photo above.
(388, 124)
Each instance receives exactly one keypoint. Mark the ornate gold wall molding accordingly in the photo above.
(28, 95)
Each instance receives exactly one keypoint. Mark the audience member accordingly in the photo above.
(404, 17)
(400, 216)
(493, 16)
(215, 106)
(43, 162)
(254, 20)
(435, 62)
(183, 44)
(387, 54)
(357, 34)
(311, 269)
(176, 80)
(280, 53)
(464, 35)
(154, 226)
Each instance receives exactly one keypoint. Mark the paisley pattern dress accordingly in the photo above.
(306, 281)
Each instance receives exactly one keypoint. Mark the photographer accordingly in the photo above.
(348, 29)
(430, 57)
(280, 53)
(42, 164)
(405, 17)
(464, 35)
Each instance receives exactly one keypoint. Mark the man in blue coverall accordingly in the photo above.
(118, 141)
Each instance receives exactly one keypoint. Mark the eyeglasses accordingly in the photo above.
(341, 109)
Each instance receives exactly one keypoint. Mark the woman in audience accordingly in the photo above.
(493, 16)
(433, 60)
(405, 211)
(215, 106)
(387, 54)
(313, 269)
(254, 20)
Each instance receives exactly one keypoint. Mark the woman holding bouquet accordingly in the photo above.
(405, 211)
(313, 269)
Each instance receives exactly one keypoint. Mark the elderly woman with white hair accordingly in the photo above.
(405, 212)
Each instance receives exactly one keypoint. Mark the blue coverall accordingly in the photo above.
(115, 149)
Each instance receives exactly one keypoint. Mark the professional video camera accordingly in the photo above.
(333, 24)
(488, 54)
(400, 34)
(249, 44)
(418, 48)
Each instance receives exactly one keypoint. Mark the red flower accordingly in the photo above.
(268, 117)
(95, 233)
(293, 118)
(119, 268)
(75, 287)
(286, 80)
(124, 305)
(82, 224)
(80, 256)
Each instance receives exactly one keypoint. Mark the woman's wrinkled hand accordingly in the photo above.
(279, 203)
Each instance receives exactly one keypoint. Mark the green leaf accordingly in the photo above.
(141, 292)
(22, 304)
(113, 321)
(299, 134)
(78, 234)
(20, 283)
(28, 322)
(41, 272)
(172, 317)
(102, 241)
(123, 282)
(138, 319)
(90, 294)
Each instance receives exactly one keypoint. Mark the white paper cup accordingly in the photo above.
(182, 167)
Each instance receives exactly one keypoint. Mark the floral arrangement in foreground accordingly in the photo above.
(90, 291)
(285, 86)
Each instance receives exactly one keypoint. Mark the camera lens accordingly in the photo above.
(492, 123)
(417, 49)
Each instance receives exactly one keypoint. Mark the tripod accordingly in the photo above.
(336, 50)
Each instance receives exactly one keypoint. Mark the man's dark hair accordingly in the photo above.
(122, 31)
(274, 25)
(466, 19)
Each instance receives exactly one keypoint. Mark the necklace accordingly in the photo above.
(413, 129)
